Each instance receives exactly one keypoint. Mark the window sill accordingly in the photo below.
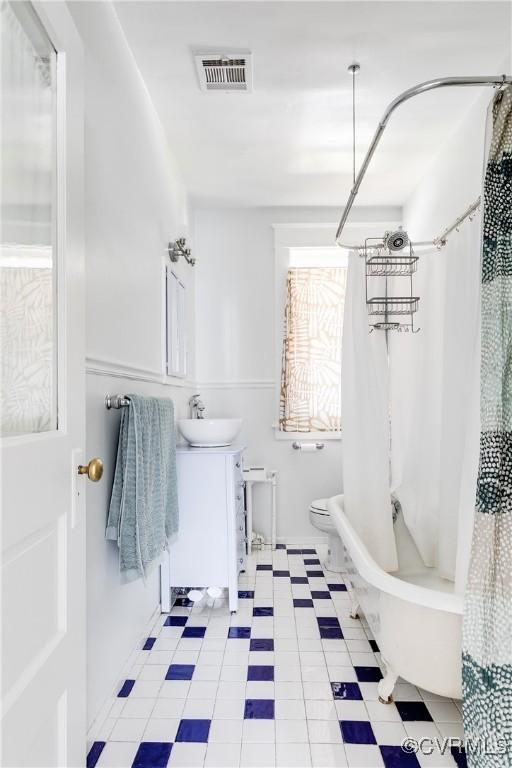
(306, 436)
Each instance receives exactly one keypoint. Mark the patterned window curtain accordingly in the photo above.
(311, 370)
(487, 634)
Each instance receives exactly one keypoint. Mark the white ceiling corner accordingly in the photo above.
(289, 142)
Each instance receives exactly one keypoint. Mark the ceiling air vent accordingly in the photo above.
(226, 72)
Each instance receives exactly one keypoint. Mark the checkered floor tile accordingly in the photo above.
(290, 680)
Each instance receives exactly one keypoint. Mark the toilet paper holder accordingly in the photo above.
(297, 446)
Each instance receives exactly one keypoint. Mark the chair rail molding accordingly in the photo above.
(96, 366)
(237, 384)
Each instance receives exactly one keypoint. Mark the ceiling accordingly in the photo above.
(289, 142)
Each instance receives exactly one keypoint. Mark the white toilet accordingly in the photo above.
(321, 519)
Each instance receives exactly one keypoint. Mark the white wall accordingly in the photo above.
(454, 178)
(235, 342)
(135, 203)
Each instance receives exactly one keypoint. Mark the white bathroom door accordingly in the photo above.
(42, 389)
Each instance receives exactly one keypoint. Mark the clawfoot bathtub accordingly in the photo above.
(413, 613)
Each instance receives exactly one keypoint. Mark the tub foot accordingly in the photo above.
(354, 606)
(386, 686)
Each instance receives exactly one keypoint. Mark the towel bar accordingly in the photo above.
(116, 401)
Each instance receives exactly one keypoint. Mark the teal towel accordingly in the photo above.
(143, 512)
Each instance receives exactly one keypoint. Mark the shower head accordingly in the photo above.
(397, 240)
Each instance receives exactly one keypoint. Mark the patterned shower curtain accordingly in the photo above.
(487, 634)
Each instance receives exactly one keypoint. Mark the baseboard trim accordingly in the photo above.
(298, 541)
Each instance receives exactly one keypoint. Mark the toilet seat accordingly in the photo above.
(319, 507)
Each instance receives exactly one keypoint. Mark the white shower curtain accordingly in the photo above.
(435, 405)
(460, 429)
(365, 424)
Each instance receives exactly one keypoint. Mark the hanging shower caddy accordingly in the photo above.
(384, 259)
(391, 257)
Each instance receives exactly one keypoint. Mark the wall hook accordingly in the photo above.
(179, 248)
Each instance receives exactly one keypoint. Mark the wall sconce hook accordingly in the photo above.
(179, 248)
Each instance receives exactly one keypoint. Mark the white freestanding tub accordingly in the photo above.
(413, 613)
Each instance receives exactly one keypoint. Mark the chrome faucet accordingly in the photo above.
(196, 407)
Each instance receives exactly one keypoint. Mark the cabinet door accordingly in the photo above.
(199, 555)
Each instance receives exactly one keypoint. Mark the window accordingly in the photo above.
(310, 394)
(28, 254)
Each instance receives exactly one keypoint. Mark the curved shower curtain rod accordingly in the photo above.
(429, 85)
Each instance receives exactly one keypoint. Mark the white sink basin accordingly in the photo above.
(209, 433)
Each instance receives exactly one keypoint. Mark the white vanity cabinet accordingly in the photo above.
(209, 548)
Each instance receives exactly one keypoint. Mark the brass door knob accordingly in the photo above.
(93, 470)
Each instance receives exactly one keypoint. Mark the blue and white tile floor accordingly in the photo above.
(290, 680)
